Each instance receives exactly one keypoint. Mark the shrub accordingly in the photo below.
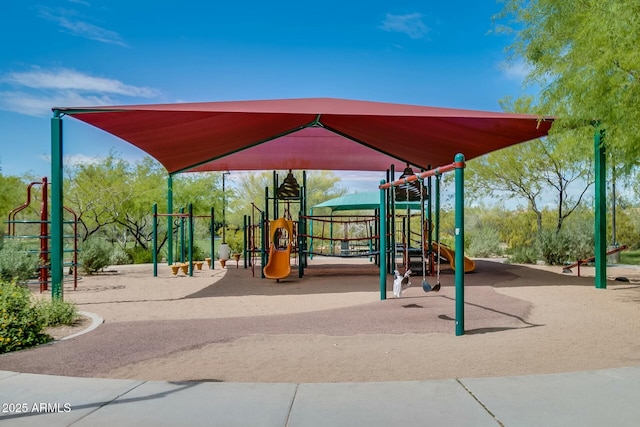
(56, 312)
(524, 255)
(198, 253)
(119, 257)
(235, 240)
(94, 255)
(569, 244)
(16, 263)
(140, 255)
(484, 242)
(554, 247)
(20, 323)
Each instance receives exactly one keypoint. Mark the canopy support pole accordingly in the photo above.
(600, 210)
(383, 242)
(170, 220)
(459, 239)
(57, 203)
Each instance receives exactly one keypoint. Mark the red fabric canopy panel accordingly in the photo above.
(314, 133)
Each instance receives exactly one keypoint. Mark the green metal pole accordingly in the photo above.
(331, 234)
(459, 239)
(300, 245)
(263, 239)
(392, 222)
(154, 254)
(170, 220)
(190, 239)
(430, 221)
(182, 242)
(57, 203)
(213, 240)
(383, 242)
(600, 209)
(436, 213)
(276, 214)
(245, 239)
(311, 234)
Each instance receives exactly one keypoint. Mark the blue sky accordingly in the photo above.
(89, 52)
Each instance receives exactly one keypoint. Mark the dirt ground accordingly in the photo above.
(331, 326)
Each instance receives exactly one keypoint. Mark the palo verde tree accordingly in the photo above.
(12, 193)
(113, 198)
(552, 171)
(584, 56)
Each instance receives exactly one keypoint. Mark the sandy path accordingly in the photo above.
(224, 325)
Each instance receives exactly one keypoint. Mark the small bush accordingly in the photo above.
(140, 255)
(16, 264)
(119, 257)
(198, 253)
(484, 243)
(566, 246)
(524, 255)
(94, 255)
(20, 323)
(56, 312)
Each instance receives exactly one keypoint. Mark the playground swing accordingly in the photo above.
(402, 282)
(425, 284)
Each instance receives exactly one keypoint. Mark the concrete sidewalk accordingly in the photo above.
(597, 398)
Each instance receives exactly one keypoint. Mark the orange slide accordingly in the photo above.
(279, 264)
(450, 255)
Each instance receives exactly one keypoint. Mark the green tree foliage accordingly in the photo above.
(13, 193)
(95, 193)
(554, 170)
(584, 56)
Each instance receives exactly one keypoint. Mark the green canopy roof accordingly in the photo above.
(362, 201)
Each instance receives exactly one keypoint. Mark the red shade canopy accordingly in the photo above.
(312, 133)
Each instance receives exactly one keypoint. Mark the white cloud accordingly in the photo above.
(517, 70)
(82, 2)
(36, 91)
(67, 20)
(410, 24)
(38, 104)
(64, 79)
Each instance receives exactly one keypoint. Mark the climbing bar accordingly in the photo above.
(431, 172)
(339, 239)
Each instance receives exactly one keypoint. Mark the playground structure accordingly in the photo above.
(356, 240)
(351, 235)
(280, 237)
(283, 232)
(184, 244)
(315, 133)
(42, 235)
(450, 255)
